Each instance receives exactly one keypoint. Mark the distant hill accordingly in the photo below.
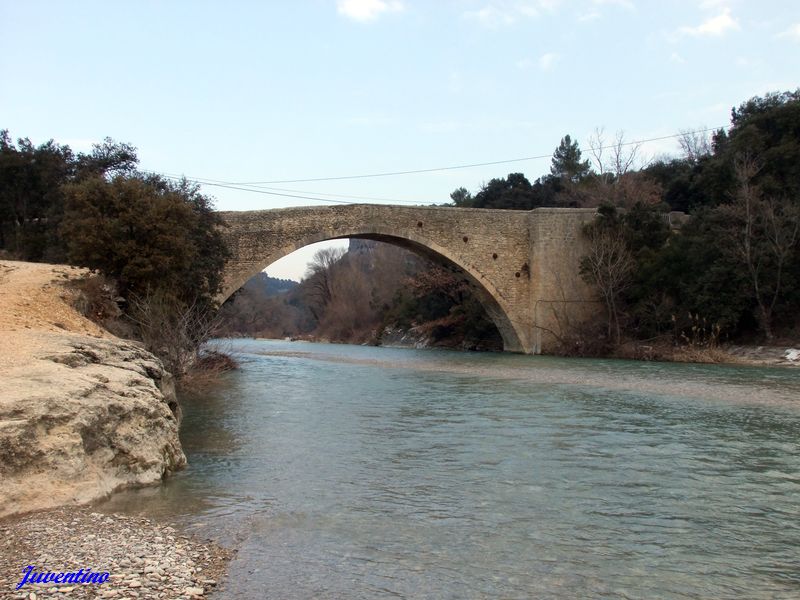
(271, 286)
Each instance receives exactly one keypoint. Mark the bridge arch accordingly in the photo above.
(523, 266)
(479, 284)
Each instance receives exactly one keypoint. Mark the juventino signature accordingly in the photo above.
(79, 576)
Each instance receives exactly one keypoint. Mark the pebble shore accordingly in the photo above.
(145, 559)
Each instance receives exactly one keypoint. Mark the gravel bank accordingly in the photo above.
(144, 559)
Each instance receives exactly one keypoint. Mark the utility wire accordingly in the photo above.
(260, 187)
(203, 181)
(379, 199)
(465, 166)
(256, 191)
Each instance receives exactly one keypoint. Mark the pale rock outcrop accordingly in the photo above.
(82, 413)
(89, 417)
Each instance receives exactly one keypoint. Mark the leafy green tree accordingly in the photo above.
(513, 192)
(690, 277)
(567, 164)
(767, 128)
(107, 159)
(30, 196)
(461, 198)
(761, 235)
(737, 262)
(148, 234)
(31, 190)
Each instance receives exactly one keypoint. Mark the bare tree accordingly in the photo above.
(608, 265)
(172, 330)
(763, 233)
(630, 189)
(320, 278)
(597, 149)
(621, 181)
(613, 159)
(626, 155)
(695, 144)
(350, 314)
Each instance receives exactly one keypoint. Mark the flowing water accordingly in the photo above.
(353, 472)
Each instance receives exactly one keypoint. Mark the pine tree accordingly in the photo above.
(567, 163)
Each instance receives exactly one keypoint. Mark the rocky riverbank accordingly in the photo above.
(143, 559)
(82, 413)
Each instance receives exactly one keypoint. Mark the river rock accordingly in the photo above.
(103, 551)
(86, 417)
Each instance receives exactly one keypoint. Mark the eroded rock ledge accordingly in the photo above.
(82, 418)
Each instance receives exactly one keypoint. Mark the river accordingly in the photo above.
(352, 472)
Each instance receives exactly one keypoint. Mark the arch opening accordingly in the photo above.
(479, 286)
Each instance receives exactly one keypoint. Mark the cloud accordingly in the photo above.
(593, 11)
(492, 16)
(713, 4)
(621, 3)
(713, 26)
(677, 58)
(498, 13)
(547, 61)
(591, 15)
(524, 64)
(364, 11)
(792, 33)
(548, 5)
(745, 62)
(455, 83)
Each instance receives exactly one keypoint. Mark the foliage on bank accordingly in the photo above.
(156, 243)
(732, 271)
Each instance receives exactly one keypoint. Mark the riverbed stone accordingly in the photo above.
(113, 541)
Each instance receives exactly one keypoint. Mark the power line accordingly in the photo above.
(464, 166)
(299, 193)
(204, 181)
(379, 199)
(256, 191)
(261, 187)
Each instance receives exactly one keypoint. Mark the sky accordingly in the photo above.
(281, 91)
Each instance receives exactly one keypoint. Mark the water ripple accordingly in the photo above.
(349, 472)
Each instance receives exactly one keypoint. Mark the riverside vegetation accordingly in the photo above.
(727, 271)
(155, 243)
(86, 413)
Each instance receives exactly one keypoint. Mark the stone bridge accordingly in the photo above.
(523, 266)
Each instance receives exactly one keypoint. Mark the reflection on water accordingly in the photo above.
(350, 472)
